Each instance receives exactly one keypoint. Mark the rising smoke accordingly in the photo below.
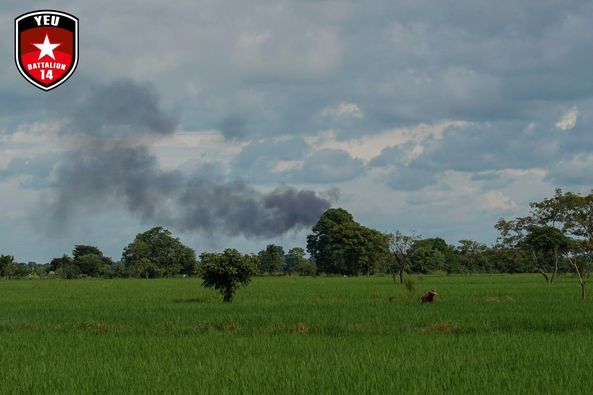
(112, 164)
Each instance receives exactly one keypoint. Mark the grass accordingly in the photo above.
(485, 334)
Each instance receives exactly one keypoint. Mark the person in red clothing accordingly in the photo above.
(429, 296)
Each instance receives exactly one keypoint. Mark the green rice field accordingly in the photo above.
(486, 334)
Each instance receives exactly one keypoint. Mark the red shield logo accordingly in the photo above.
(46, 47)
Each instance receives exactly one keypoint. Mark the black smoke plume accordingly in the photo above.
(111, 164)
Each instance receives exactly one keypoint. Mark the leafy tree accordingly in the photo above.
(226, 272)
(271, 259)
(168, 254)
(508, 260)
(146, 268)
(356, 249)
(546, 244)
(426, 259)
(90, 260)
(65, 266)
(318, 243)
(305, 268)
(81, 250)
(470, 253)
(535, 235)
(7, 266)
(294, 258)
(400, 246)
(117, 270)
(546, 233)
(89, 264)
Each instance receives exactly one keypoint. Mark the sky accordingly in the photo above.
(235, 124)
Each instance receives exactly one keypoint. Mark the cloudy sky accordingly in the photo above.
(235, 123)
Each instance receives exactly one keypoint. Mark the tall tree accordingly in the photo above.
(271, 259)
(168, 253)
(294, 258)
(7, 266)
(357, 249)
(90, 260)
(470, 252)
(400, 246)
(574, 212)
(318, 242)
(80, 250)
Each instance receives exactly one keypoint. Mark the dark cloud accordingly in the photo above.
(233, 128)
(101, 173)
(121, 109)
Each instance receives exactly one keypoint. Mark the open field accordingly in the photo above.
(485, 334)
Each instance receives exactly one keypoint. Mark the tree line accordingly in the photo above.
(555, 237)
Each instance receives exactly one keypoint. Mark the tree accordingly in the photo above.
(432, 254)
(7, 266)
(400, 246)
(65, 266)
(146, 268)
(294, 258)
(513, 235)
(271, 259)
(226, 272)
(81, 250)
(546, 244)
(470, 251)
(168, 254)
(90, 260)
(318, 242)
(546, 233)
(574, 213)
(89, 264)
(305, 268)
(356, 249)
(425, 259)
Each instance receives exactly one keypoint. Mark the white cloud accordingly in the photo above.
(343, 110)
(496, 201)
(568, 120)
(368, 147)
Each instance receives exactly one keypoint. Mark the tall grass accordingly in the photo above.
(484, 334)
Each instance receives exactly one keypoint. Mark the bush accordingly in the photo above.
(226, 272)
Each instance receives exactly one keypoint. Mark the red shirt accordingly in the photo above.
(427, 297)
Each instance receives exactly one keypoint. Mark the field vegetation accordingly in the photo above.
(487, 334)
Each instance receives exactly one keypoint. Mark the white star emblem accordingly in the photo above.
(47, 48)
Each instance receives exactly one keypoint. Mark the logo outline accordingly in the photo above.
(75, 49)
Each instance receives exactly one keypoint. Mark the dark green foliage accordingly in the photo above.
(472, 256)
(90, 265)
(294, 258)
(167, 253)
(271, 260)
(91, 261)
(356, 249)
(305, 268)
(226, 272)
(146, 268)
(65, 267)
(81, 250)
(318, 242)
(7, 266)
